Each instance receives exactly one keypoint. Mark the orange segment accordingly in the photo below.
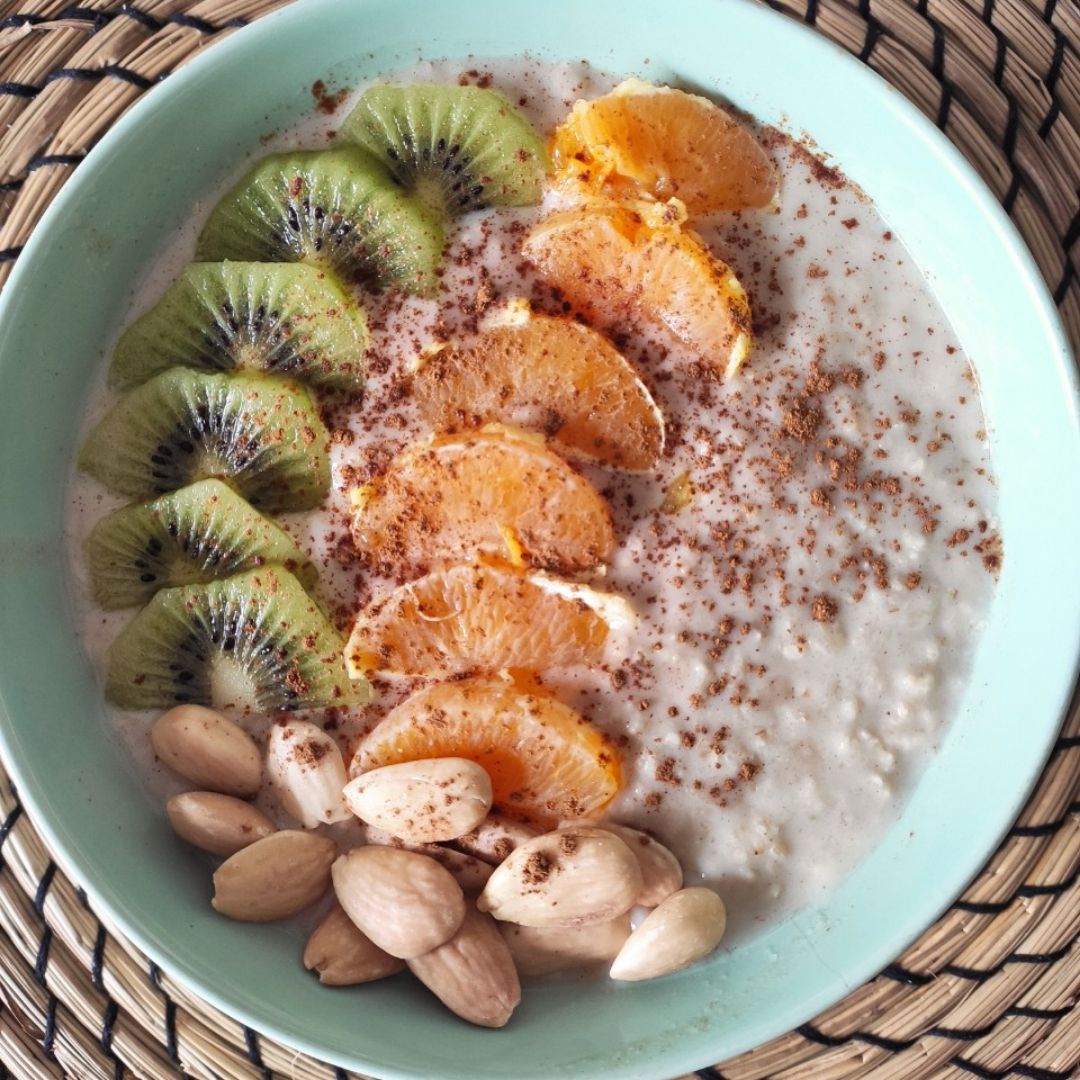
(668, 143)
(478, 617)
(552, 375)
(489, 493)
(546, 761)
(614, 262)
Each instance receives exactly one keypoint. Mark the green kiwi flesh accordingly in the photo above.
(202, 532)
(337, 208)
(284, 319)
(254, 640)
(462, 147)
(261, 434)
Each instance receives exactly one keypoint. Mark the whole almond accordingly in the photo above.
(274, 878)
(494, 838)
(661, 873)
(220, 824)
(472, 974)
(571, 877)
(208, 749)
(686, 927)
(470, 873)
(343, 955)
(307, 771)
(422, 801)
(405, 902)
(542, 950)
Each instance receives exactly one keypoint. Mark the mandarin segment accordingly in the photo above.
(616, 262)
(666, 143)
(495, 493)
(479, 617)
(547, 763)
(548, 374)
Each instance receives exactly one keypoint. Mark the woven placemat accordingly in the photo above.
(991, 989)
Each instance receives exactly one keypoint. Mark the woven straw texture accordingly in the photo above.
(991, 989)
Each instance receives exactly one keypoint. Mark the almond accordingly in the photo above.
(422, 801)
(216, 823)
(686, 927)
(274, 878)
(470, 873)
(405, 902)
(660, 871)
(343, 955)
(494, 838)
(472, 974)
(542, 950)
(208, 749)
(571, 877)
(307, 771)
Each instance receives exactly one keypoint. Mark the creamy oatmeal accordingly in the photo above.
(810, 564)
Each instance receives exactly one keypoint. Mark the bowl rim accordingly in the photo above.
(879, 94)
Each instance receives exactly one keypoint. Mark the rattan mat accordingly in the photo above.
(991, 989)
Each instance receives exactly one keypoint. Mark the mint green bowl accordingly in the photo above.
(72, 285)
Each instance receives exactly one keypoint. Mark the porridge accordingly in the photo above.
(616, 532)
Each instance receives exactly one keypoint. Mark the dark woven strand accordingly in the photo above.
(171, 1045)
(251, 1040)
(48, 1036)
(1027, 1071)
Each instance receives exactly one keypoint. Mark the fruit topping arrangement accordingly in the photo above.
(651, 141)
(336, 209)
(291, 320)
(479, 617)
(452, 497)
(480, 796)
(460, 148)
(642, 261)
(264, 436)
(550, 375)
(255, 637)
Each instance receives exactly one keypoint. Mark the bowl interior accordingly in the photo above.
(73, 283)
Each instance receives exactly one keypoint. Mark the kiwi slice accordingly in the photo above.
(282, 319)
(460, 147)
(201, 532)
(255, 639)
(263, 435)
(338, 208)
